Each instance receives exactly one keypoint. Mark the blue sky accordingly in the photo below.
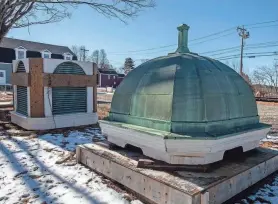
(157, 27)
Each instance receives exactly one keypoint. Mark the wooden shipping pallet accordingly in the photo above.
(223, 182)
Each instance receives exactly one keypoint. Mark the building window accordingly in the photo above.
(46, 54)
(2, 77)
(20, 53)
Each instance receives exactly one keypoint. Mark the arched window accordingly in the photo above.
(66, 100)
(21, 94)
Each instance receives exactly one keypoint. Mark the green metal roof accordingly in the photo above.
(187, 94)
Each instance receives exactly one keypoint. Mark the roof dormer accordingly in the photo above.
(67, 56)
(20, 52)
(46, 54)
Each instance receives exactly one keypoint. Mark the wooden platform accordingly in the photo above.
(226, 180)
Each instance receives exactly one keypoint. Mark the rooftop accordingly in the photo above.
(34, 46)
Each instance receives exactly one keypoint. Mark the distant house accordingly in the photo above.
(11, 49)
(109, 78)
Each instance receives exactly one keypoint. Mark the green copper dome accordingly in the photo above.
(187, 94)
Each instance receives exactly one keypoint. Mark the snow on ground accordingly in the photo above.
(29, 174)
(267, 192)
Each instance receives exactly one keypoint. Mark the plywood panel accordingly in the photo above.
(149, 189)
(36, 88)
(226, 180)
(63, 80)
(20, 79)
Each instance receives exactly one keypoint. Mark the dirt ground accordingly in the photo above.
(268, 112)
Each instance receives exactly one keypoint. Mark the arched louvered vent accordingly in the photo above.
(20, 67)
(67, 100)
(69, 68)
(21, 92)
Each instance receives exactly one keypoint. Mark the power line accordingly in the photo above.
(259, 23)
(211, 39)
(220, 50)
(264, 46)
(154, 48)
(265, 43)
(167, 50)
(247, 47)
(236, 50)
(171, 45)
(252, 53)
(263, 26)
(249, 55)
(146, 49)
(228, 51)
(213, 34)
(223, 31)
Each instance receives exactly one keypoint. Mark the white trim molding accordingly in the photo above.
(53, 122)
(182, 151)
(20, 49)
(49, 65)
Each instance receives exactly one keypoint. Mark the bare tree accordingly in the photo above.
(234, 64)
(103, 61)
(23, 13)
(267, 77)
(76, 50)
(80, 52)
(95, 57)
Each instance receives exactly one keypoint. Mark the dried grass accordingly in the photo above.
(103, 110)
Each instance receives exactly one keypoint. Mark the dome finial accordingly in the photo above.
(183, 39)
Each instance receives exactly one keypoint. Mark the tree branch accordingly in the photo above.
(23, 13)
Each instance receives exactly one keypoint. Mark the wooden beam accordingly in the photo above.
(72, 80)
(20, 79)
(36, 88)
(95, 75)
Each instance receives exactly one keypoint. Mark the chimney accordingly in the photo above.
(183, 39)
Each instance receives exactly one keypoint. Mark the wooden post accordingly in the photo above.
(36, 88)
(95, 70)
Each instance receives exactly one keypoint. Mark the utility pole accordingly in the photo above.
(244, 34)
(276, 75)
(83, 50)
